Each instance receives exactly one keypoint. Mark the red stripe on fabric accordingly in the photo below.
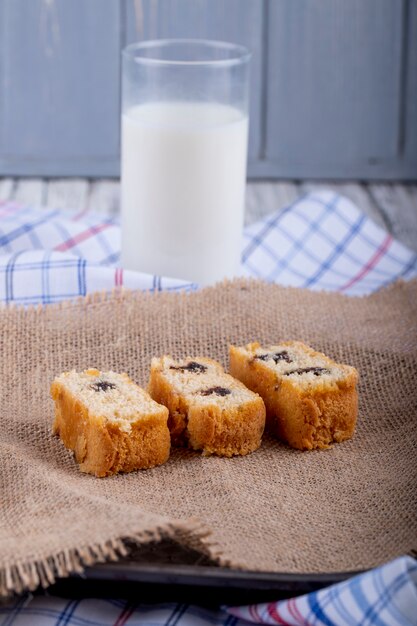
(253, 613)
(293, 609)
(370, 264)
(124, 616)
(9, 208)
(118, 277)
(70, 243)
(273, 612)
(79, 215)
(258, 615)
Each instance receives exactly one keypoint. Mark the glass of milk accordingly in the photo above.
(184, 152)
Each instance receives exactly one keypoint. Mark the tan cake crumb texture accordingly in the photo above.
(209, 410)
(110, 423)
(311, 401)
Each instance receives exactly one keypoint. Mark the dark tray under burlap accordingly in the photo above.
(343, 509)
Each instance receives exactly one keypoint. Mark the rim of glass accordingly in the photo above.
(242, 54)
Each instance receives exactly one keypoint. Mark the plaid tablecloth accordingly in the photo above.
(322, 241)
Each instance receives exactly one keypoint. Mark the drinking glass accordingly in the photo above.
(184, 153)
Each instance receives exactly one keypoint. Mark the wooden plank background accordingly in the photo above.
(333, 89)
(59, 86)
(349, 62)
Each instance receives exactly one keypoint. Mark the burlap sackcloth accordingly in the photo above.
(280, 510)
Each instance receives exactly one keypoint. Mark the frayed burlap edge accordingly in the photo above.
(33, 573)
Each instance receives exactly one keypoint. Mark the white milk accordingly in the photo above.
(183, 185)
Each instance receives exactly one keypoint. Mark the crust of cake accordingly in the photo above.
(210, 428)
(305, 418)
(101, 447)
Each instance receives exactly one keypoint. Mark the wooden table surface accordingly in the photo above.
(393, 206)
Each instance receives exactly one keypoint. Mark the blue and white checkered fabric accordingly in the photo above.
(321, 241)
(386, 596)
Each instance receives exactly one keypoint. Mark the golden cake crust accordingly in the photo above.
(213, 426)
(305, 415)
(102, 447)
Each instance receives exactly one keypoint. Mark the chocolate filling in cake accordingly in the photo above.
(218, 391)
(317, 371)
(102, 385)
(278, 356)
(192, 366)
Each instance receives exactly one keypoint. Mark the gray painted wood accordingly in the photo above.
(266, 197)
(390, 170)
(408, 144)
(30, 191)
(413, 193)
(239, 21)
(59, 80)
(7, 186)
(398, 205)
(69, 194)
(104, 197)
(334, 81)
